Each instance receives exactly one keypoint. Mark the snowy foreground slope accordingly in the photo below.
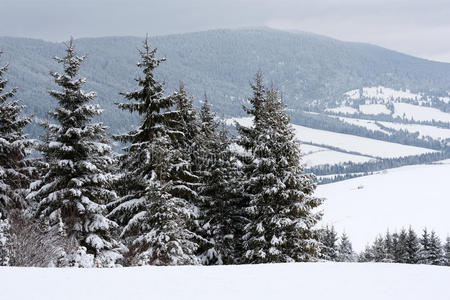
(319, 281)
(366, 206)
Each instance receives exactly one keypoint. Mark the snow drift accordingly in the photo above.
(319, 281)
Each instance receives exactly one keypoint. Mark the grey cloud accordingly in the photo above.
(417, 27)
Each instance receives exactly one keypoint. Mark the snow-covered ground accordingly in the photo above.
(314, 156)
(420, 113)
(343, 110)
(346, 142)
(366, 206)
(318, 281)
(368, 109)
(369, 124)
(362, 145)
(382, 93)
(374, 109)
(423, 130)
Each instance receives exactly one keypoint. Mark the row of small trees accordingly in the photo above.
(405, 247)
(178, 194)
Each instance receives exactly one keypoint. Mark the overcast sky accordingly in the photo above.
(417, 27)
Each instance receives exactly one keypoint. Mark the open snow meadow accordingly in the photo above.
(366, 281)
(394, 199)
(321, 147)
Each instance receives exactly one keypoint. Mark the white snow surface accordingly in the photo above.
(394, 199)
(382, 93)
(420, 113)
(319, 281)
(374, 109)
(423, 130)
(343, 110)
(315, 156)
(368, 124)
(347, 142)
(362, 145)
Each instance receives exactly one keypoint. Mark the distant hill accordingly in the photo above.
(306, 67)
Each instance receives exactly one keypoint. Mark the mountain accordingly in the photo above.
(306, 67)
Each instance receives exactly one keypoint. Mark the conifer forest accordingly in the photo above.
(178, 189)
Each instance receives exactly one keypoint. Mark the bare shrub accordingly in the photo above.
(28, 244)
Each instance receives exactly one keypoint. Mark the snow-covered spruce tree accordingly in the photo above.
(436, 256)
(329, 247)
(155, 221)
(279, 194)
(424, 253)
(345, 251)
(4, 251)
(389, 249)
(15, 169)
(399, 242)
(412, 247)
(447, 251)
(76, 184)
(366, 255)
(218, 192)
(379, 250)
(187, 144)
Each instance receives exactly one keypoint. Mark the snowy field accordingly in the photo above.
(420, 113)
(382, 93)
(368, 124)
(423, 130)
(368, 109)
(346, 142)
(318, 281)
(362, 145)
(343, 110)
(374, 109)
(366, 206)
(315, 156)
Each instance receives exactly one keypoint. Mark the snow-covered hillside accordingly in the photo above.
(366, 206)
(381, 93)
(362, 145)
(420, 113)
(318, 281)
(363, 149)
(315, 156)
(423, 130)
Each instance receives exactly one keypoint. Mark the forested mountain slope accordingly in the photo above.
(306, 67)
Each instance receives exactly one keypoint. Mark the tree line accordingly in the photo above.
(405, 247)
(177, 194)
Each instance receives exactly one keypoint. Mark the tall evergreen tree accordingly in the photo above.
(279, 194)
(152, 209)
(15, 169)
(412, 247)
(329, 249)
(447, 251)
(187, 144)
(400, 247)
(389, 249)
(424, 253)
(366, 255)
(345, 251)
(435, 250)
(379, 250)
(76, 184)
(219, 191)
